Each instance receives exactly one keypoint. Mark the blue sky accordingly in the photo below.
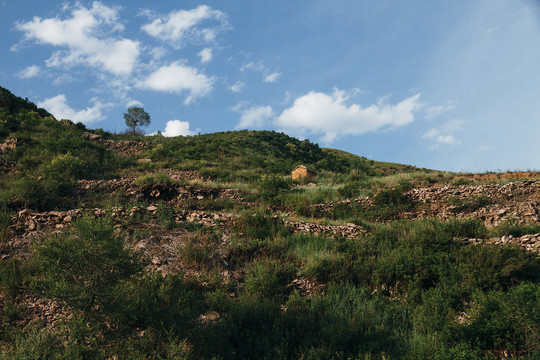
(450, 85)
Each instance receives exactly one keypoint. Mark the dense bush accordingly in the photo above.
(48, 158)
(84, 268)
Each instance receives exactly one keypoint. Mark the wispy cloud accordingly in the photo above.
(30, 72)
(269, 76)
(444, 135)
(434, 111)
(237, 86)
(273, 77)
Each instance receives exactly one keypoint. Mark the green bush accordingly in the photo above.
(272, 189)
(266, 279)
(67, 166)
(85, 267)
(499, 321)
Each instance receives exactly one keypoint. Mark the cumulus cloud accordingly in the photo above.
(444, 135)
(177, 128)
(177, 78)
(61, 110)
(183, 25)
(30, 72)
(88, 38)
(331, 116)
(253, 117)
(205, 55)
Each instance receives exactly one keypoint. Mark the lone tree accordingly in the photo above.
(136, 116)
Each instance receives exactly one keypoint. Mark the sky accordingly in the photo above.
(447, 85)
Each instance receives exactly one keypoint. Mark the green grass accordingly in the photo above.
(405, 290)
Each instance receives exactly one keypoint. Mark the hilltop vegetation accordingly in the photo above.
(203, 247)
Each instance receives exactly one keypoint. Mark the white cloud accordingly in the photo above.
(486, 148)
(65, 79)
(253, 117)
(253, 66)
(177, 128)
(61, 110)
(182, 25)
(443, 135)
(328, 114)
(434, 111)
(237, 86)
(88, 37)
(30, 72)
(177, 78)
(158, 53)
(205, 55)
(133, 102)
(273, 77)
(268, 75)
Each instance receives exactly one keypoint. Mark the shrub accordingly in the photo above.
(84, 268)
(271, 189)
(266, 279)
(504, 321)
(66, 166)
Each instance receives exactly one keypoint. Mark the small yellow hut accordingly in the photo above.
(304, 172)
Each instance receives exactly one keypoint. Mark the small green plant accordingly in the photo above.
(11, 276)
(517, 230)
(165, 216)
(470, 203)
(151, 179)
(461, 181)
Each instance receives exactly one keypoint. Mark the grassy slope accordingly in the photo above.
(407, 290)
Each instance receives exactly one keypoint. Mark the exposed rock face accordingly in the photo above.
(328, 206)
(348, 230)
(164, 192)
(492, 203)
(28, 221)
(8, 144)
(47, 311)
(530, 243)
(126, 147)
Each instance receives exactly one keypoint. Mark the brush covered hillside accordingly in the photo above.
(203, 247)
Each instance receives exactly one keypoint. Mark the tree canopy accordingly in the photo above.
(136, 116)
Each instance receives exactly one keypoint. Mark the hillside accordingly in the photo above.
(203, 247)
